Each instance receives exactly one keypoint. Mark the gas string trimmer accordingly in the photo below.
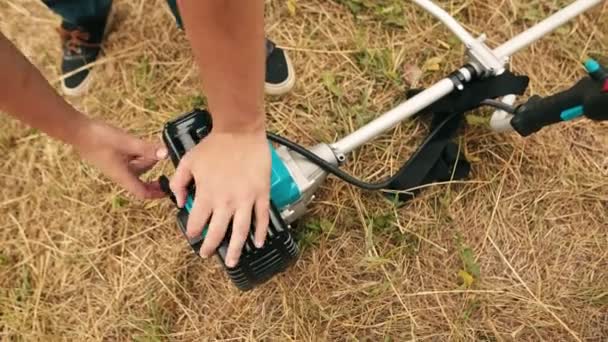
(298, 172)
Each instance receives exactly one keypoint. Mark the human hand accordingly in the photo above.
(121, 157)
(231, 171)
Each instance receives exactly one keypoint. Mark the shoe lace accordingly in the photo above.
(73, 40)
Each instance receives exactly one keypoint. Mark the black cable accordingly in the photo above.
(500, 105)
(327, 167)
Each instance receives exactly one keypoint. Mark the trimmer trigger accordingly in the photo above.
(164, 186)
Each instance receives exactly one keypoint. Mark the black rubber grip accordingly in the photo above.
(539, 112)
(596, 107)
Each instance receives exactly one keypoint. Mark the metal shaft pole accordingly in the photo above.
(393, 117)
(444, 87)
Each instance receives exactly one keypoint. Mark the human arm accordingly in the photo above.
(27, 96)
(230, 167)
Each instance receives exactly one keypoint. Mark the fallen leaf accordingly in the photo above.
(412, 75)
(476, 120)
(563, 30)
(432, 64)
(3, 259)
(533, 14)
(470, 265)
(291, 7)
(470, 156)
(444, 44)
(119, 202)
(330, 83)
(467, 279)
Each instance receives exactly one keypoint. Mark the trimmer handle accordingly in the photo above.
(596, 106)
(584, 98)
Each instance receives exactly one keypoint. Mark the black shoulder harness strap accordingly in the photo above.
(438, 158)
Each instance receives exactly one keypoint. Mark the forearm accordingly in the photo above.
(26, 95)
(227, 39)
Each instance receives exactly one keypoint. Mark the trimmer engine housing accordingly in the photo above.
(256, 265)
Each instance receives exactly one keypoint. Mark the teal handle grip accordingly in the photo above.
(592, 65)
(572, 113)
(595, 70)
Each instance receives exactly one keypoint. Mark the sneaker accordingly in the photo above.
(280, 75)
(81, 46)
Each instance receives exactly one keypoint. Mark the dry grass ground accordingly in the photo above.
(80, 261)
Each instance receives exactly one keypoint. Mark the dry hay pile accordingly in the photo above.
(517, 252)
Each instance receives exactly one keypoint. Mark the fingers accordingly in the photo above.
(146, 155)
(154, 190)
(146, 150)
(123, 158)
(160, 152)
(240, 230)
(179, 182)
(198, 217)
(241, 224)
(262, 219)
(139, 188)
(217, 230)
(141, 166)
(134, 185)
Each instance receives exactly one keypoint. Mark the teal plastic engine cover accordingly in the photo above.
(283, 189)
